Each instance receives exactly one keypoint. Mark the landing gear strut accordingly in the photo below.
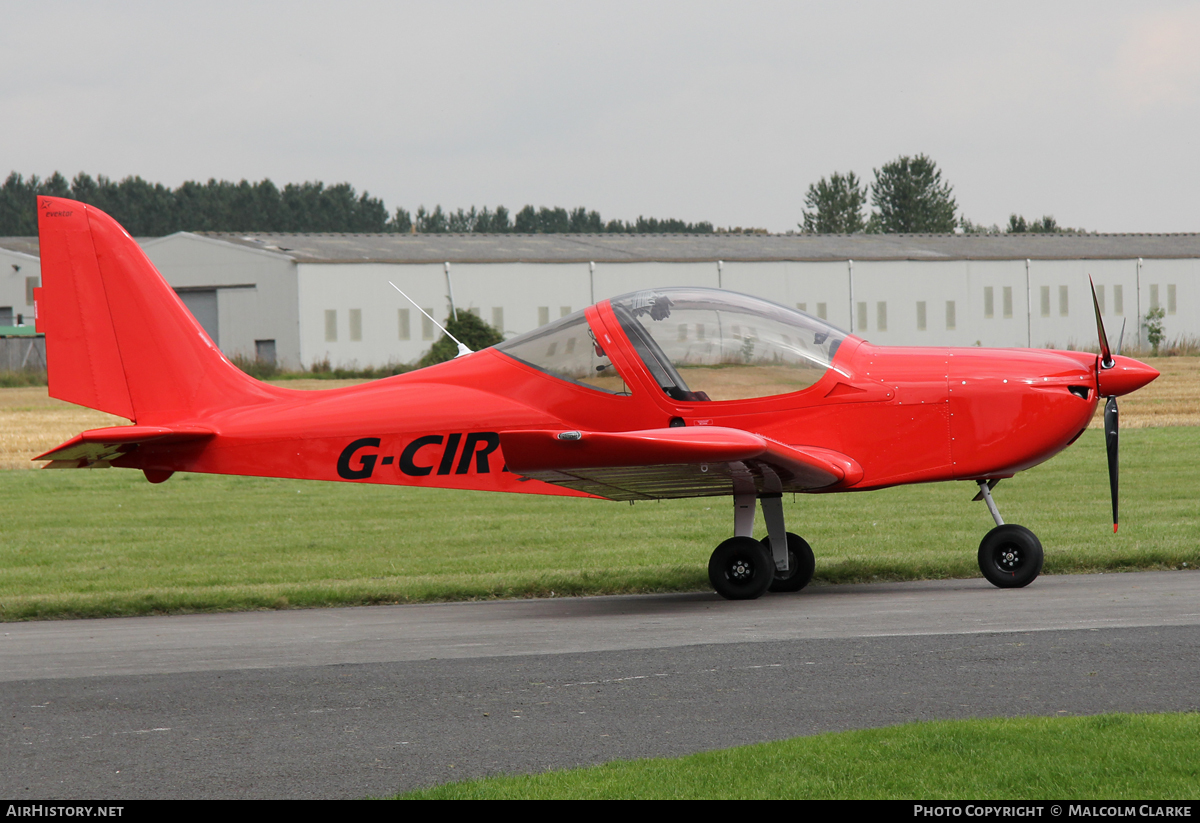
(1010, 556)
(743, 568)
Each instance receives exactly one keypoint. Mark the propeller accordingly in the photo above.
(1111, 422)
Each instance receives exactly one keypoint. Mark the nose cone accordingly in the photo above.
(1127, 375)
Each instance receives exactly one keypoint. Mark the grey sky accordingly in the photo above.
(702, 111)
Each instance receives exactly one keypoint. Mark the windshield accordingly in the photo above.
(567, 349)
(704, 344)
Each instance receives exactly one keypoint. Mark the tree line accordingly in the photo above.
(907, 195)
(153, 210)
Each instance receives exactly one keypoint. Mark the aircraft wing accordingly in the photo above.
(95, 448)
(697, 461)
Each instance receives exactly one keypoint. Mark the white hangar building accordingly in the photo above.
(20, 273)
(306, 298)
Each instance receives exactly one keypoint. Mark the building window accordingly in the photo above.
(1100, 298)
(32, 283)
(403, 321)
(950, 323)
(1118, 300)
(1153, 296)
(498, 319)
(682, 332)
(822, 312)
(331, 325)
(1170, 298)
(1045, 301)
(264, 351)
(543, 315)
(862, 317)
(427, 325)
(1008, 301)
(1062, 301)
(881, 316)
(988, 304)
(356, 324)
(563, 311)
(920, 315)
(802, 307)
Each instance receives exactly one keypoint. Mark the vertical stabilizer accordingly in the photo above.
(118, 338)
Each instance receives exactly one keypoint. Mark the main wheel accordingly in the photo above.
(1010, 556)
(801, 565)
(741, 569)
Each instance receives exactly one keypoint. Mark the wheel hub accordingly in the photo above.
(1009, 558)
(741, 570)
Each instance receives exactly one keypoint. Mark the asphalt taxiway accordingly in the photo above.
(354, 702)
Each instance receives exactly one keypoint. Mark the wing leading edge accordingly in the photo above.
(675, 462)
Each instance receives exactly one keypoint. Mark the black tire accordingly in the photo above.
(1010, 556)
(741, 569)
(801, 565)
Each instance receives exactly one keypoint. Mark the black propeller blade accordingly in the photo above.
(1111, 424)
(1110, 440)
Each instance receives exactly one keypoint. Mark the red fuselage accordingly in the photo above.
(906, 415)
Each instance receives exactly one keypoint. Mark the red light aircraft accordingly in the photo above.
(682, 392)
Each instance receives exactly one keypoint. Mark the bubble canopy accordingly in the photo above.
(698, 344)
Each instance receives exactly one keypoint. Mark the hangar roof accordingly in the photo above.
(23, 245)
(632, 248)
(629, 248)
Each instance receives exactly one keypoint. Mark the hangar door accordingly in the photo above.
(202, 303)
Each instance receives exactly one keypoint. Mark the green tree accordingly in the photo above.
(909, 196)
(1046, 225)
(1153, 324)
(401, 222)
(836, 205)
(433, 222)
(468, 328)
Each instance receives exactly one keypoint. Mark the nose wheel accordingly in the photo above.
(1010, 556)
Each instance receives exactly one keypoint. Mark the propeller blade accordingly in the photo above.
(1121, 339)
(1105, 355)
(1110, 440)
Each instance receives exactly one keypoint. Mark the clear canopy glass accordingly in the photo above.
(699, 344)
(704, 344)
(567, 348)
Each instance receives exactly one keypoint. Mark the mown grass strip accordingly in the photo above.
(1111, 757)
(106, 542)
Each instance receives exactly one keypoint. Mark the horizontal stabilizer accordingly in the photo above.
(673, 462)
(95, 448)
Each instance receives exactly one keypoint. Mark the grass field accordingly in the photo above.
(1114, 757)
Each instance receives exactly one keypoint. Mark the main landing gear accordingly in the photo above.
(743, 568)
(1010, 556)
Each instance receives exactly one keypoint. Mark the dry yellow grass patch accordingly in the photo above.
(1171, 400)
(31, 422)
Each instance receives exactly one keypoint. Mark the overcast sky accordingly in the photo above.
(726, 112)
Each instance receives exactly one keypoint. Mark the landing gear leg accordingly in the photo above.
(1010, 556)
(794, 563)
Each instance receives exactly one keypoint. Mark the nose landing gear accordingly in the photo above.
(1010, 556)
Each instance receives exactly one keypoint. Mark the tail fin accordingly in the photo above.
(118, 338)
